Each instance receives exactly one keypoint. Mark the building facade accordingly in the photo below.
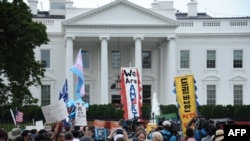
(160, 41)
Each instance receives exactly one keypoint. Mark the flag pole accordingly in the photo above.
(12, 114)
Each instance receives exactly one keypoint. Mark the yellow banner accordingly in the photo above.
(185, 93)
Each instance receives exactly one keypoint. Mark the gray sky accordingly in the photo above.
(216, 8)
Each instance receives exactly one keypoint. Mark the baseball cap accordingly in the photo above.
(166, 123)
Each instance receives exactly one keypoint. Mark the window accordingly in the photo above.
(184, 59)
(238, 92)
(146, 94)
(211, 59)
(211, 94)
(57, 5)
(87, 92)
(85, 58)
(45, 95)
(116, 59)
(238, 62)
(45, 58)
(116, 99)
(146, 59)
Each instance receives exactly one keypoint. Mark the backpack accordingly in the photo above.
(201, 135)
(166, 137)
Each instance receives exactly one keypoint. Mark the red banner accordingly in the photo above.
(131, 92)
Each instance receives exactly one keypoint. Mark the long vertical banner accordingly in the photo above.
(185, 93)
(131, 91)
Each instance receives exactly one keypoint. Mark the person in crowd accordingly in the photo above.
(198, 124)
(166, 132)
(60, 136)
(120, 139)
(3, 135)
(139, 128)
(42, 137)
(158, 128)
(90, 131)
(68, 136)
(26, 134)
(140, 135)
(118, 132)
(211, 129)
(76, 134)
(86, 138)
(42, 132)
(219, 125)
(219, 135)
(47, 134)
(19, 138)
(33, 134)
(56, 131)
(190, 134)
(157, 136)
(15, 132)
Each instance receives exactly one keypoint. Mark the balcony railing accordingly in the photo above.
(222, 23)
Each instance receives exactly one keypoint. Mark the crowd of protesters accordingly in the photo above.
(198, 129)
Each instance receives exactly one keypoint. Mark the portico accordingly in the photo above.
(97, 32)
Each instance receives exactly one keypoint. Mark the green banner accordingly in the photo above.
(170, 116)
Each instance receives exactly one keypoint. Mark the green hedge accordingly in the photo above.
(110, 112)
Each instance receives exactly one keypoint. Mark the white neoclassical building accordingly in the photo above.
(160, 41)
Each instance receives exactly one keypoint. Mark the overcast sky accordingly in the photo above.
(221, 8)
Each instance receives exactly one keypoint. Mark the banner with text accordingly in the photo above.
(55, 112)
(185, 93)
(80, 119)
(131, 91)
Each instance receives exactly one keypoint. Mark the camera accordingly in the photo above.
(119, 131)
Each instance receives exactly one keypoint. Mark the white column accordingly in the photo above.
(69, 64)
(138, 53)
(104, 70)
(170, 70)
(161, 76)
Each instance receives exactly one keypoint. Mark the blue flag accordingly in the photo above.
(64, 92)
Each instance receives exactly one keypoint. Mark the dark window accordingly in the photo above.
(211, 94)
(45, 58)
(87, 92)
(211, 59)
(184, 59)
(45, 95)
(116, 99)
(146, 94)
(85, 58)
(146, 59)
(238, 59)
(238, 94)
(116, 59)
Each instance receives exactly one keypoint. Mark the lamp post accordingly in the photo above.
(117, 82)
(153, 117)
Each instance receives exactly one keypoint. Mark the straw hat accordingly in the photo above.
(15, 132)
(219, 135)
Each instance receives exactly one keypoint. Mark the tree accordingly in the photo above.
(19, 69)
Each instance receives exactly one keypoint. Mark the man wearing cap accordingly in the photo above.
(166, 132)
(15, 132)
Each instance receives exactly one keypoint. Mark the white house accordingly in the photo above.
(160, 41)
